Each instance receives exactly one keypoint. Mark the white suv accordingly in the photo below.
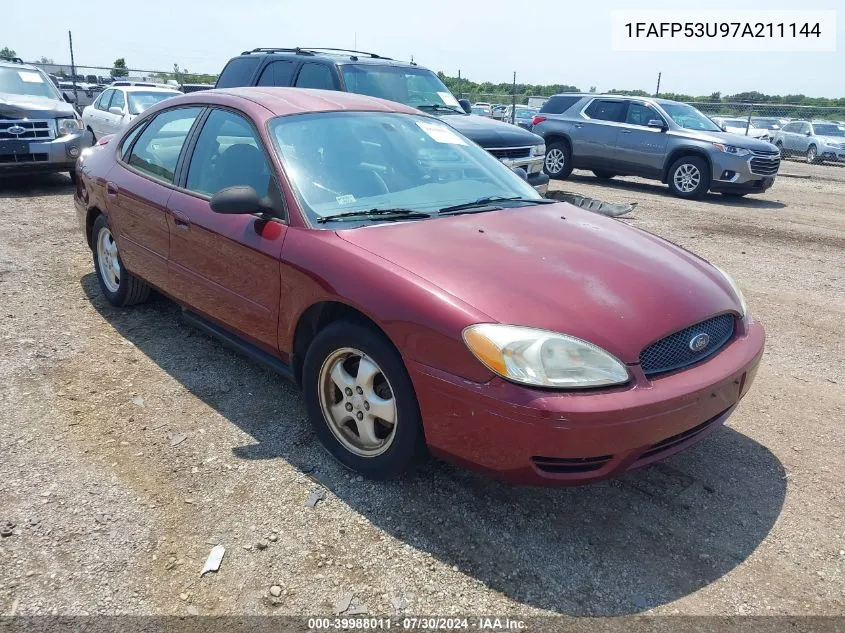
(120, 103)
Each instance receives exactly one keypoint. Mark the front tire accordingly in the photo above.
(779, 145)
(813, 155)
(689, 177)
(120, 287)
(558, 161)
(603, 175)
(361, 402)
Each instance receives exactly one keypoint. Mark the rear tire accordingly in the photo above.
(689, 177)
(73, 176)
(558, 161)
(93, 136)
(344, 405)
(120, 287)
(603, 175)
(779, 145)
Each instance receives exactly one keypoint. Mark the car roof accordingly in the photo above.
(15, 62)
(285, 101)
(335, 56)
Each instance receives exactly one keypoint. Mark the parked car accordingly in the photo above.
(498, 111)
(121, 103)
(817, 141)
(653, 138)
(482, 109)
(772, 124)
(81, 96)
(524, 116)
(39, 130)
(377, 76)
(343, 258)
(741, 126)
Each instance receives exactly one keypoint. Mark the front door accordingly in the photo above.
(138, 191)
(226, 267)
(111, 120)
(639, 148)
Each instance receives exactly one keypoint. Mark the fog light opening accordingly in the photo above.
(73, 151)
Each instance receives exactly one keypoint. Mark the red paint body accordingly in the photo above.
(554, 267)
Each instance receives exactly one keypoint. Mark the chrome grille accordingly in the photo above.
(765, 163)
(509, 152)
(674, 352)
(32, 130)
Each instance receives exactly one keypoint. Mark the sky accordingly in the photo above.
(561, 41)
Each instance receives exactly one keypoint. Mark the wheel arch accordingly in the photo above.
(680, 153)
(90, 217)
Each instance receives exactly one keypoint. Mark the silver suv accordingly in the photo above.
(818, 141)
(39, 130)
(652, 138)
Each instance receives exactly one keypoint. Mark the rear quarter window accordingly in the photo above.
(558, 105)
(238, 72)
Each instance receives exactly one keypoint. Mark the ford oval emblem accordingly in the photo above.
(16, 130)
(699, 342)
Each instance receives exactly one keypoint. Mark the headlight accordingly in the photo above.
(542, 358)
(735, 288)
(538, 150)
(68, 126)
(731, 149)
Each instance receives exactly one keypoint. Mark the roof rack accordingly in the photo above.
(313, 50)
(14, 60)
(297, 50)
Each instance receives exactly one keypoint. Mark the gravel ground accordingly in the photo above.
(131, 444)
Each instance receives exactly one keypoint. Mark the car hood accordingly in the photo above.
(488, 132)
(740, 140)
(559, 268)
(28, 106)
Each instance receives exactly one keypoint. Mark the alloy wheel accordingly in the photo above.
(555, 160)
(107, 259)
(687, 178)
(357, 402)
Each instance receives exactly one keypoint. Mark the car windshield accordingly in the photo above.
(769, 124)
(140, 101)
(412, 86)
(342, 162)
(829, 129)
(688, 117)
(25, 81)
(480, 111)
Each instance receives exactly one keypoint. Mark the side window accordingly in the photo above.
(805, 127)
(228, 154)
(117, 100)
(103, 101)
(238, 72)
(641, 114)
(607, 110)
(558, 105)
(315, 76)
(157, 149)
(127, 142)
(791, 128)
(277, 73)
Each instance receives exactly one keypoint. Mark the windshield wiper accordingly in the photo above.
(439, 108)
(381, 214)
(492, 200)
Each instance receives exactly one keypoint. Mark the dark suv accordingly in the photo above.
(377, 76)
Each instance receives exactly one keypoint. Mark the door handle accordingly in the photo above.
(626, 131)
(579, 125)
(111, 189)
(180, 220)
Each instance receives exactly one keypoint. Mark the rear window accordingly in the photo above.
(238, 72)
(558, 105)
(278, 73)
(606, 110)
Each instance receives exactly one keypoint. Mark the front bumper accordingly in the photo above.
(743, 174)
(533, 166)
(27, 157)
(541, 437)
(832, 153)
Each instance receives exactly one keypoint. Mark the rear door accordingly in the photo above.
(226, 267)
(314, 75)
(641, 149)
(278, 73)
(594, 133)
(139, 187)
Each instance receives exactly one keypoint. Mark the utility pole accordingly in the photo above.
(657, 92)
(72, 70)
(513, 99)
(460, 90)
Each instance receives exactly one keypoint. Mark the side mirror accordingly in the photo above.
(724, 128)
(808, 133)
(657, 123)
(116, 110)
(520, 171)
(239, 201)
(466, 105)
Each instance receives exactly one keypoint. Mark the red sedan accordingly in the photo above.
(421, 293)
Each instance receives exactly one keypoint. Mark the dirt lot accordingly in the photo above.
(130, 443)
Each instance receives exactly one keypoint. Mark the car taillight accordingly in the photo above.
(537, 119)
